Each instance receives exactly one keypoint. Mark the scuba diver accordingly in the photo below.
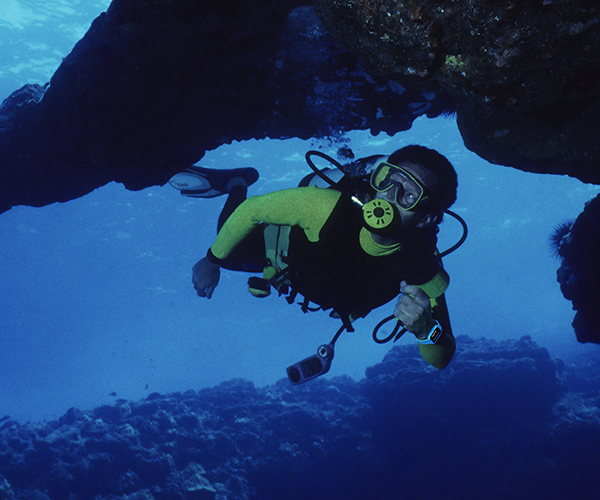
(348, 246)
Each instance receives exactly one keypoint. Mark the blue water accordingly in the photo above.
(96, 294)
(98, 298)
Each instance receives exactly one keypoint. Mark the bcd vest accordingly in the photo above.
(336, 273)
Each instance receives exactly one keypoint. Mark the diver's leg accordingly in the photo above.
(238, 190)
(207, 183)
(249, 255)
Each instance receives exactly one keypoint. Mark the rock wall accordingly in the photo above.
(523, 74)
(153, 85)
(578, 247)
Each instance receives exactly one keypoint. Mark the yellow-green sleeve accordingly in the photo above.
(307, 207)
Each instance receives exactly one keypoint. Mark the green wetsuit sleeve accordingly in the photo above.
(307, 207)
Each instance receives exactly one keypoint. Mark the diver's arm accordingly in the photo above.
(417, 312)
(440, 354)
(307, 207)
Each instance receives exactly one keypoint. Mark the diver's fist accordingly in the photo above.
(413, 310)
(205, 276)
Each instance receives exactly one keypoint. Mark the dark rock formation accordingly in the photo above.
(498, 423)
(153, 85)
(523, 74)
(578, 246)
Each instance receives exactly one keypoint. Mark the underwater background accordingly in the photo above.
(112, 368)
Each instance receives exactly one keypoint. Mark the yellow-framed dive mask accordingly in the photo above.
(409, 191)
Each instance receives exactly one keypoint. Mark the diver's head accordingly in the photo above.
(443, 189)
(424, 183)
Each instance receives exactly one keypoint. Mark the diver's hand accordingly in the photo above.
(205, 276)
(413, 310)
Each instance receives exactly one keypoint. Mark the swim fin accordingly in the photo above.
(200, 182)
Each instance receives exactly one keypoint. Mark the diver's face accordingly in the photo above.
(405, 190)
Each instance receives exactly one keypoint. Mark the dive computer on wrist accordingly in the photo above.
(433, 336)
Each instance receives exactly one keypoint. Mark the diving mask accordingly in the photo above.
(409, 191)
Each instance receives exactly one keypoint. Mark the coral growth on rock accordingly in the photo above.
(503, 421)
(523, 74)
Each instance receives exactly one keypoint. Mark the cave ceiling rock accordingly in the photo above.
(154, 85)
(523, 74)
